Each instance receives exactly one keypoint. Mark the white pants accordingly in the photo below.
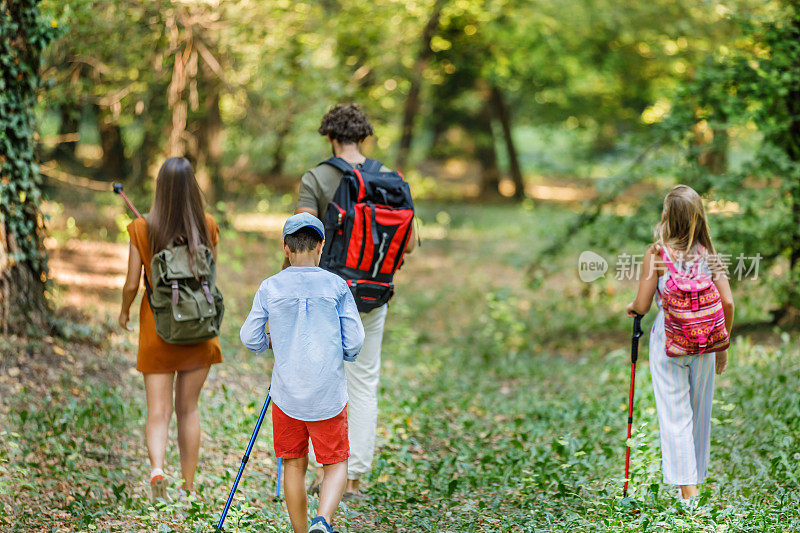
(684, 390)
(362, 387)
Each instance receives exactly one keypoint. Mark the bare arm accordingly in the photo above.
(131, 287)
(411, 245)
(720, 277)
(648, 283)
(724, 288)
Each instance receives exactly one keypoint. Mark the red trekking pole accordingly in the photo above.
(637, 332)
(118, 190)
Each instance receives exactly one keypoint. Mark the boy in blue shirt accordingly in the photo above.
(314, 326)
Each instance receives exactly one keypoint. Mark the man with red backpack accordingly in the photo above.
(368, 214)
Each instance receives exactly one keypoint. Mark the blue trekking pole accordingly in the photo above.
(278, 483)
(244, 462)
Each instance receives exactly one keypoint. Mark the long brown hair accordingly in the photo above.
(177, 214)
(683, 222)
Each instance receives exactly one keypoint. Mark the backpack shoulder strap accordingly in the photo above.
(345, 168)
(148, 290)
(701, 259)
(372, 165)
(667, 261)
(338, 163)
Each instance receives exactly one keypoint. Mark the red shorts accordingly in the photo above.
(329, 437)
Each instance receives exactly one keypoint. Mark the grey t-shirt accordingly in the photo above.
(318, 185)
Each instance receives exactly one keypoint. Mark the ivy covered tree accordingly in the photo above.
(24, 33)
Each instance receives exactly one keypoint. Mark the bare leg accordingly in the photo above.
(320, 474)
(687, 491)
(158, 393)
(353, 485)
(187, 391)
(332, 488)
(294, 490)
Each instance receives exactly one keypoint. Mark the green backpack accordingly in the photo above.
(187, 305)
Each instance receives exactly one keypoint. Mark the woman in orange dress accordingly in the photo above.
(170, 369)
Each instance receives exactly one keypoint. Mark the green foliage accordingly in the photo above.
(522, 443)
(274, 79)
(24, 33)
(747, 88)
(597, 69)
(592, 67)
(753, 85)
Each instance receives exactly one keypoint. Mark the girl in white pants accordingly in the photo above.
(684, 385)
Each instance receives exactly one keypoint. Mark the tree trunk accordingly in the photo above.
(68, 130)
(713, 147)
(140, 162)
(23, 306)
(499, 105)
(486, 154)
(438, 129)
(23, 259)
(114, 164)
(279, 154)
(413, 99)
(793, 151)
(153, 119)
(212, 137)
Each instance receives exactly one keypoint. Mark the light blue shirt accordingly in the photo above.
(314, 326)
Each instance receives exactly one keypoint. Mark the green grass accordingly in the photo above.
(503, 408)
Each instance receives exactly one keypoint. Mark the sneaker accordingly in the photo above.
(353, 497)
(320, 525)
(158, 485)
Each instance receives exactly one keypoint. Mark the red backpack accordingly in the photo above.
(693, 317)
(367, 227)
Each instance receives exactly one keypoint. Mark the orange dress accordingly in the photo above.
(156, 356)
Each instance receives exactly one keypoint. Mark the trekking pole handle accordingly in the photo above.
(637, 332)
(118, 190)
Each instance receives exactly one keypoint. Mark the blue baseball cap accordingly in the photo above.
(303, 220)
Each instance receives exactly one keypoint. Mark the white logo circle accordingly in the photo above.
(591, 266)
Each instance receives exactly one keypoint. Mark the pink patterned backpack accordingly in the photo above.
(693, 317)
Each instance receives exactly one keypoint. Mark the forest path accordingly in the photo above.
(484, 425)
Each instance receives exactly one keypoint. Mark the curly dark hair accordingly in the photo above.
(346, 123)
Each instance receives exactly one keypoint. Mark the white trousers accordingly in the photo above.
(363, 377)
(684, 391)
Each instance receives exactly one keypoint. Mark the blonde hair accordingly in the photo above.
(683, 222)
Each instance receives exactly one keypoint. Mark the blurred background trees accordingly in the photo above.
(753, 84)
(238, 86)
(499, 97)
